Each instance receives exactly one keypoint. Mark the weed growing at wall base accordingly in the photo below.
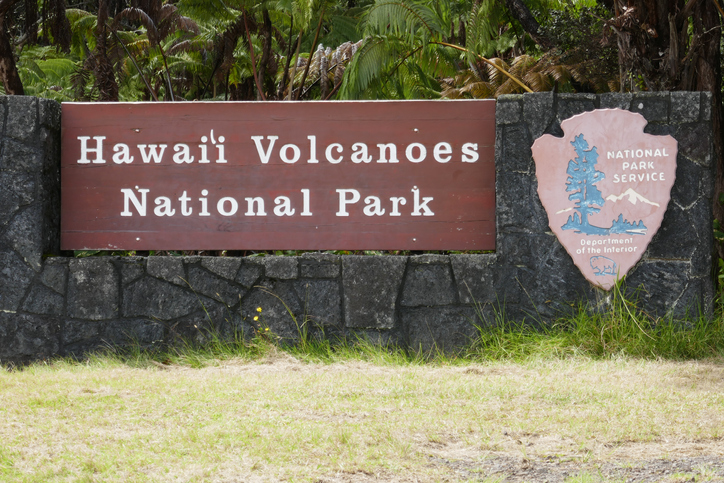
(620, 328)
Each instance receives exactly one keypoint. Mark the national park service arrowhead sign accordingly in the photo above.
(605, 186)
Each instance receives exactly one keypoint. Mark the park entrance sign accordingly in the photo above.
(412, 175)
(605, 186)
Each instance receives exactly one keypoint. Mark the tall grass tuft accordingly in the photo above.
(621, 329)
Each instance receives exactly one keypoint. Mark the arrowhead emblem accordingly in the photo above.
(605, 186)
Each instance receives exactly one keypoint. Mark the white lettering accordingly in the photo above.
(123, 154)
(220, 148)
(84, 150)
(203, 159)
(204, 203)
(409, 150)
(185, 199)
(264, 155)
(421, 206)
(163, 207)
(152, 153)
(250, 202)
(221, 206)
(328, 153)
(283, 153)
(312, 149)
(283, 206)
(470, 152)
(383, 153)
(442, 152)
(305, 203)
(129, 195)
(344, 201)
(396, 202)
(359, 153)
(373, 206)
(183, 154)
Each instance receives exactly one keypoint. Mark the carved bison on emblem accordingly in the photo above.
(603, 266)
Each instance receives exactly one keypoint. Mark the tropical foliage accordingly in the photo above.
(173, 50)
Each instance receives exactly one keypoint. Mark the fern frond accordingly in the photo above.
(412, 22)
(369, 63)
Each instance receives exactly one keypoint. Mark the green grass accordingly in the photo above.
(621, 329)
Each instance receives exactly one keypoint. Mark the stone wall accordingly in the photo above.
(60, 305)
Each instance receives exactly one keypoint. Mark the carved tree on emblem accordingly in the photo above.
(581, 183)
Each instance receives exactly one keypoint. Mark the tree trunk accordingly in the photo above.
(522, 14)
(105, 76)
(8, 70)
(674, 45)
(266, 34)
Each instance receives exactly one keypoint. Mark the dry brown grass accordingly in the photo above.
(281, 419)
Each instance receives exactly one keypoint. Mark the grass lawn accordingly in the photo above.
(277, 417)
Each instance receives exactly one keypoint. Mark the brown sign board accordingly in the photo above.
(381, 175)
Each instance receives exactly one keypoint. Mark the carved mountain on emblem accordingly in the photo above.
(633, 197)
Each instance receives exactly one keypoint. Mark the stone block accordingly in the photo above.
(132, 268)
(695, 143)
(659, 287)
(538, 112)
(677, 237)
(542, 284)
(428, 285)
(15, 279)
(16, 190)
(685, 106)
(22, 118)
(43, 301)
(214, 287)
(92, 289)
(653, 105)
(371, 286)
(571, 104)
(614, 100)
(508, 110)
(80, 336)
(170, 269)
(518, 207)
(18, 157)
(49, 113)
(225, 267)
(445, 329)
(429, 258)
(474, 276)
(517, 149)
(281, 310)
(687, 187)
(279, 267)
(320, 265)
(150, 297)
(201, 326)
(142, 332)
(249, 274)
(321, 300)
(27, 337)
(55, 273)
(24, 236)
